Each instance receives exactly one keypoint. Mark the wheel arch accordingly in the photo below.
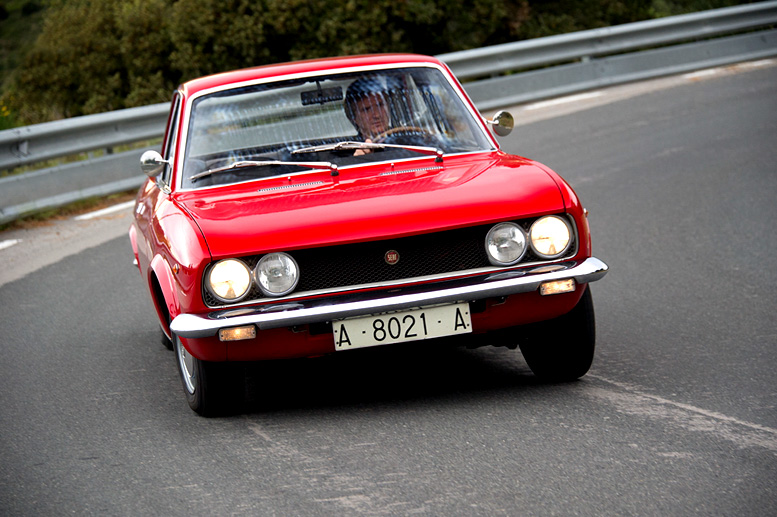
(133, 237)
(162, 290)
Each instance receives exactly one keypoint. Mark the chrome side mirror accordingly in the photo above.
(152, 163)
(502, 124)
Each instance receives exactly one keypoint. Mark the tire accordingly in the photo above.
(165, 340)
(211, 389)
(562, 349)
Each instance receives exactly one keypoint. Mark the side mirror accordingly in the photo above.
(152, 163)
(502, 124)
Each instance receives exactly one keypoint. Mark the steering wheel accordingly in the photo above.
(401, 130)
(409, 135)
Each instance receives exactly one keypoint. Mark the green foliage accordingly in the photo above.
(145, 47)
(100, 55)
(563, 16)
(75, 66)
(7, 116)
(212, 36)
(661, 8)
(19, 25)
(93, 56)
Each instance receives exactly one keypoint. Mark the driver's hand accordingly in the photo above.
(361, 152)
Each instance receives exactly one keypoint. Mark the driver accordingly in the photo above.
(366, 106)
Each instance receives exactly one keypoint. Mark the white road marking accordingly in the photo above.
(756, 64)
(562, 100)
(9, 243)
(633, 400)
(534, 112)
(702, 73)
(708, 72)
(49, 243)
(105, 211)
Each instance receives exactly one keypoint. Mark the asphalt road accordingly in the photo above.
(677, 416)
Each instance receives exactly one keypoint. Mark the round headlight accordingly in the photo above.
(229, 280)
(505, 244)
(550, 236)
(276, 274)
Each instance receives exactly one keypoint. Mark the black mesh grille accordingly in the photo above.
(364, 263)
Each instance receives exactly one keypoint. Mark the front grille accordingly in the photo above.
(333, 267)
(365, 263)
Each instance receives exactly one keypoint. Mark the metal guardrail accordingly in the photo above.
(495, 76)
(617, 39)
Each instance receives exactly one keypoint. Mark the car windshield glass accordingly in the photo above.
(269, 122)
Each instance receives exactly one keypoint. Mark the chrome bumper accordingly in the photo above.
(287, 314)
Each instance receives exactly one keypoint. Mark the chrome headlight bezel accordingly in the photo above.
(490, 243)
(560, 250)
(260, 274)
(221, 264)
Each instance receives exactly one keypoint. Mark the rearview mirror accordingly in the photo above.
(502, 124)
(152, 163)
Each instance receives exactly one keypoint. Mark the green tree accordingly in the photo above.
(93, 56)
(145, 48)
(212, 36)
(73, 67)
(101, 55)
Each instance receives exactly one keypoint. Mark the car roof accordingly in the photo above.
(299, 67)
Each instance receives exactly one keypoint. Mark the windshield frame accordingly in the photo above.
(190, 102)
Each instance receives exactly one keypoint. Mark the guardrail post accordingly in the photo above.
(22, 148)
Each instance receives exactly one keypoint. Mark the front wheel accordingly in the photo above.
(211, 389)
(562, 349)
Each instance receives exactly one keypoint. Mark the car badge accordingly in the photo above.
(391, 257)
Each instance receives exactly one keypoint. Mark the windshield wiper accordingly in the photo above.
(350, 145)
(251, 163)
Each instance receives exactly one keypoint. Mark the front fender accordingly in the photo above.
(162, 286)
(573, 207)
(133, 237)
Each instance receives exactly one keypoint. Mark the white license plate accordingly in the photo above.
(398, 327)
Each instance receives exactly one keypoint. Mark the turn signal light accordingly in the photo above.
(237, 333)
(557, 287)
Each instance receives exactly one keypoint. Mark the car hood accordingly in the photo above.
(366, 203)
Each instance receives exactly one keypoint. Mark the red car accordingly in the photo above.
(316, 207)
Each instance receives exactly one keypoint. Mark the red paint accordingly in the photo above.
(363, 206)
(192, 228)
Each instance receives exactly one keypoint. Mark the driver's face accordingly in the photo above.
(371, 115)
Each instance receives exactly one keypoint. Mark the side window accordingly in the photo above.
(170, 138)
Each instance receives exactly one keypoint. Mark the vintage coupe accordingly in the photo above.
(321, 206)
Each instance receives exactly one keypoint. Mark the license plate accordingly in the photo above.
(398, 327)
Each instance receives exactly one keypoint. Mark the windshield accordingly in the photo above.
(302, 120)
